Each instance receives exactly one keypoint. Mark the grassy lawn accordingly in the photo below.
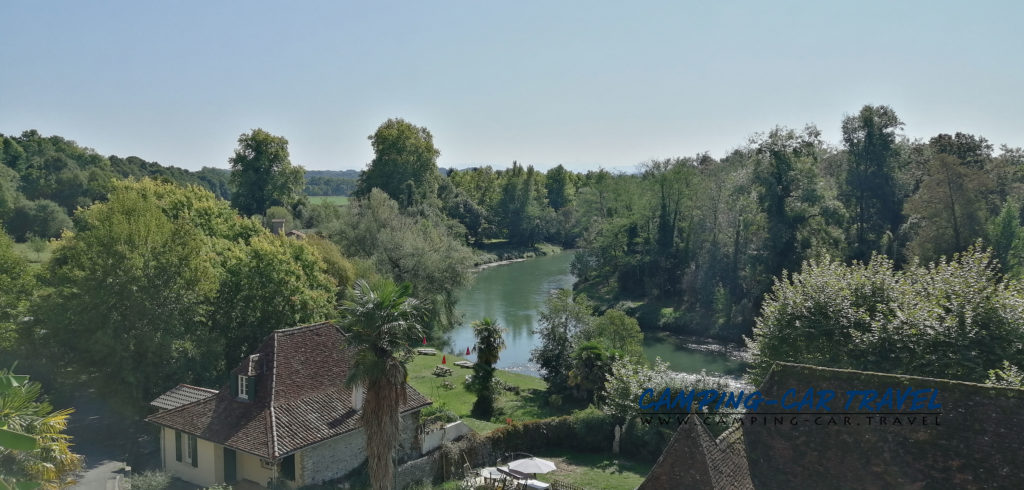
(33, 258)
(595, 470)
(528, 405)
(337, 200)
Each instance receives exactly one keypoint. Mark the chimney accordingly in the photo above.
(277, 226)
(357, 397)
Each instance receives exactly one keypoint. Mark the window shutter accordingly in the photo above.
(250, 387)
(194, 443)
(234, 385)
(177, 446)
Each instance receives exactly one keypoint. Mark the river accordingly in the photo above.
(514, 293)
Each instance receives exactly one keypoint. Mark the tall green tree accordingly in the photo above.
(1006, 237)
(381, 320)
(789, 192)
(951, 202)
(489, 344)
(262, 174)
(559, 185)
(128, 299)
(404, 165)
(871, 188)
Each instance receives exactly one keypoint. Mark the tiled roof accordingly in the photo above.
(300, 396)
(181, 395)
(695, 457)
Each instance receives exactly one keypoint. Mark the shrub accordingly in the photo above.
(594, 429)
(151, 480)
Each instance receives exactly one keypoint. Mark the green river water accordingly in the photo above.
(513, 294)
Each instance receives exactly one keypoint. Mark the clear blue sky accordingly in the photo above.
(578, 83)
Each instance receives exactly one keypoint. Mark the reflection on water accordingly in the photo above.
(692, 354)
(513, 295)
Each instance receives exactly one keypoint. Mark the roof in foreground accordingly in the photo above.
(301, 398)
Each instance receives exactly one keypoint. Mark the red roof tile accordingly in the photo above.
(300, 396)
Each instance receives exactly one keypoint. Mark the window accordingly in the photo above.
(190, 449)
(187, 452)
(243, 387)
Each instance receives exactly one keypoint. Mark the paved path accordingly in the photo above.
(97, 475)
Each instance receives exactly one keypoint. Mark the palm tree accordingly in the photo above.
(381, 319)
(33, 447)
(489, 344)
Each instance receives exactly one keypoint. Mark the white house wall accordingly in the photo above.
(250, 468)
(206, 474)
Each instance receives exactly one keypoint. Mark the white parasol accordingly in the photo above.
(532, 465)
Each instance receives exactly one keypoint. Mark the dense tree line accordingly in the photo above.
(43, 179)
(697, 242)
(328, 186)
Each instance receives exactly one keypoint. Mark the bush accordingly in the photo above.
(151, 480)
(438, 414)
(594, 429)
(955, 319)
(645, 442)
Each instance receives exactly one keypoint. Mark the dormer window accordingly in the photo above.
(243, 387)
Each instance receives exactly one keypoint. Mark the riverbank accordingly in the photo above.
(525, 402)
(499, 252)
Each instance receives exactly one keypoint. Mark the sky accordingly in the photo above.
(584, 84)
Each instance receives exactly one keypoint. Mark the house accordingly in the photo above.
(284, 413)
(971, 441)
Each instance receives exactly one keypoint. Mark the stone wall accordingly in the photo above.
(333, 458)
(416, 471)
(336, 457)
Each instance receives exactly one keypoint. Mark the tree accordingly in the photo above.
(789, 192)
(559, 187)
(163, 284)
(616, 332)
(267, 284)
(381, 320)
(37, 245)
(16, 286)
(404, 165)
(489, 344)
(562, 318)
(262, 174)
(33, 446)
(591, 365)
(951, 202)
(42, 218)
(131, 288)
(1006, 237)
(421, 249)
(871, 191)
